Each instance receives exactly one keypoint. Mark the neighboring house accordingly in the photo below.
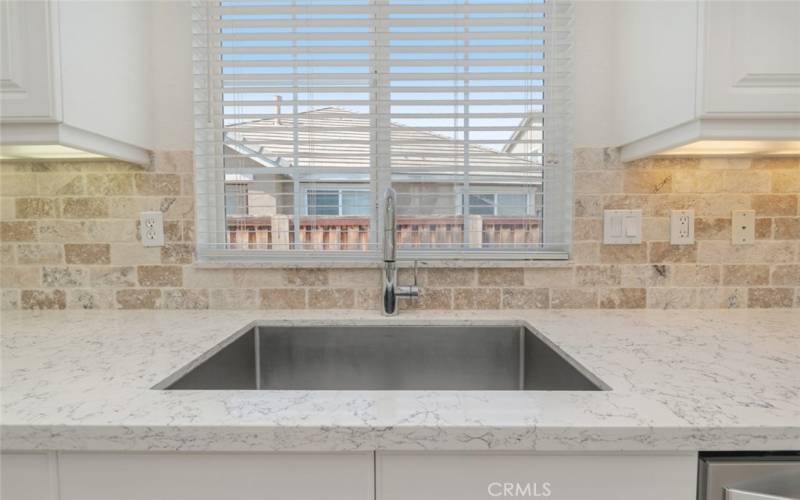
(427, 169)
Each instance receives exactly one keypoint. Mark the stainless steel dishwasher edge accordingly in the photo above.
(749, 476)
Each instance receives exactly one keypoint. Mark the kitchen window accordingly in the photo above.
(461, 106)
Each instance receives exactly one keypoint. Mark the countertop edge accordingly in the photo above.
(298, 438)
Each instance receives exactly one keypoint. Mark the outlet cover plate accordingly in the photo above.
(622, 227)
(151, 229)
(743, 227)
(681, 227)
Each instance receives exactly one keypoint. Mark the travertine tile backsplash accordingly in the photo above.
(69, 240)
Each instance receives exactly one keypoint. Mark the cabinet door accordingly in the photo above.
(215, 476)
(28, 476)
(482, 476)
(28, 62)
(751, 58)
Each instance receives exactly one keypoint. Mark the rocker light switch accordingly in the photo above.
(632, 227)
(622, 227)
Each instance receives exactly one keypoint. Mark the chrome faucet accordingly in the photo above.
(392, 292)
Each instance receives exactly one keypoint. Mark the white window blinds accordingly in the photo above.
(314, 107)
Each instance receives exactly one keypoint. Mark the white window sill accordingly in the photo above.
(422, 263)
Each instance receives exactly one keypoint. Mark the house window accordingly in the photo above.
(338, 202)
(236, 204)
(463, 107)
(499, 204)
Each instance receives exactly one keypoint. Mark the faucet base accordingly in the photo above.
(389, 293)
(392, 292)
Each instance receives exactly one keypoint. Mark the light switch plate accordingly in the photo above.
(151, 229)
(622, 227)
(743, 227)
(681, 227)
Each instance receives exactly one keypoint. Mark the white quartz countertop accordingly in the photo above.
(680, 380)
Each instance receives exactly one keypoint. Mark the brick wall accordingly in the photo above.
(70, 240)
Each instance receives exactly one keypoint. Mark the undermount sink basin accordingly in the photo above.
(493, 358)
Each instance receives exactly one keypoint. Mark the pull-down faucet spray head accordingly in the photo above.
(389, 225)
(391, 290)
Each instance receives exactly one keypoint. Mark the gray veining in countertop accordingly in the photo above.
(681, 380)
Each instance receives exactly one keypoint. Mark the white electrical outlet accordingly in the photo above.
(151, 229)
(743, 227)
(681, 227)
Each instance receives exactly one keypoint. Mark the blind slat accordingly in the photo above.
(440, 62)
(365, 22)
(283, 77)
(399, 142)
(443, 115)
(395, 102)
(396, 49)
(377, 36)
(257, 128)
(397, 89)
(494, 8)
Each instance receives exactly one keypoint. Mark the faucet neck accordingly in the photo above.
(389, 225)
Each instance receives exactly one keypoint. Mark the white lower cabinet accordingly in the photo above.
(28, 476)
(482, 476)
(347, 476)
(205, 476)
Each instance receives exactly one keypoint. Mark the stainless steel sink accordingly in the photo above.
(483, 358)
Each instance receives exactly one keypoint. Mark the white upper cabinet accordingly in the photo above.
(751, 58)
(77, 75)
(28, 62)
(692, 74)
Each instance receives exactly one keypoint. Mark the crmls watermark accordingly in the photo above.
(531, 490)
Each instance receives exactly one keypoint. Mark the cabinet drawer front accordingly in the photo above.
(175, 476)
(27, 476)
(407, 476)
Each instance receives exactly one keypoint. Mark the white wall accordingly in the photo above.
(595, 71)
(172, 75)
(119, 34)
(660, 41)
(595, 68)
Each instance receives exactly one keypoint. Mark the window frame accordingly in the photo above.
(556, 206)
